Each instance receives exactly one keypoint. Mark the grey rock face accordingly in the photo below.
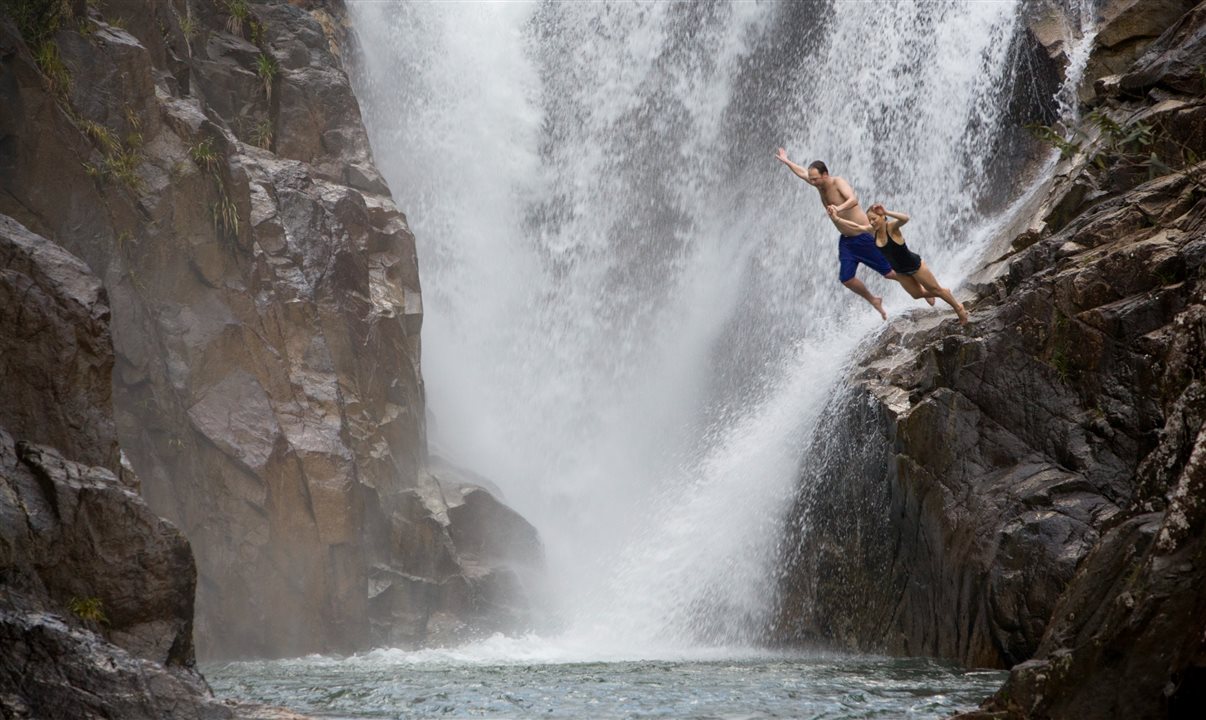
(266, 305)
(1027, 491)
(96, 591)
(56, 357)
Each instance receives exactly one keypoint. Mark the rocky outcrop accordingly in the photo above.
(207, 161)
(96, 591)
(1029, 491)
(56, 340)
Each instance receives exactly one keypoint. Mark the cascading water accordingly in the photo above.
(633, 314)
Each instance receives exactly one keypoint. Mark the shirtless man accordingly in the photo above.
(840, 202)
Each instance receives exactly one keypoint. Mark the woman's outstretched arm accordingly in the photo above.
(846, 226)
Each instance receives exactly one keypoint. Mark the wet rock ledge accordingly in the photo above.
(207, 163)
(1029, 492)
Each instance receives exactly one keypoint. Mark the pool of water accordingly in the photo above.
(398, 684)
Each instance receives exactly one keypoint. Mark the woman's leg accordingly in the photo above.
(930, 283)
(912, 287)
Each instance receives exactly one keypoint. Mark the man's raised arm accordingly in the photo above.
(800, 172)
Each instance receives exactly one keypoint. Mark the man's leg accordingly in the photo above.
(861, 290)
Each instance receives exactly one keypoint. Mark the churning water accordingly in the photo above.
(391, 684)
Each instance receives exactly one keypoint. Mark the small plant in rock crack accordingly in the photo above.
(1047, 134)
(267, 69)
(88, 609)
(238, 12)
(190, 30)
(226, 213)
(120, 160)
(205, 156)
(58, 78)
(262, 134)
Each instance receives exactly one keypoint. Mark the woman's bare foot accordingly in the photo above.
(962, 312)
(930, 300)
(878, 303)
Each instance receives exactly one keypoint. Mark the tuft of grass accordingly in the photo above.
(238, 13)
(205, 156)
(88, 609)
(267, 69)
(100, 135)
(38, 20)
(256, 29)
(226, 213)
(120, 160)
(58, 79)
(190, 29)
(123, 165)
(1062, 365)
(262, 134)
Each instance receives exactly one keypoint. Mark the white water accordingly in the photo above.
(633, 314)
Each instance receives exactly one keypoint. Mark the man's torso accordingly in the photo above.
(830, 195)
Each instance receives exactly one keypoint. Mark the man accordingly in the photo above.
(842, 204)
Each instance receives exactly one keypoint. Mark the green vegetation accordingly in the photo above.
(1051, 136)
(1132, 142)
(120, 160)
(262, 134)
(238, 12)
(256, 29)
(188, 26)
(1133, 136)
(1062, 365)
(226, 213)
(88, 609)
(205, 156)
(38, 20)
(267, 69)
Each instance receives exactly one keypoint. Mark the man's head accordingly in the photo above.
(817, 172)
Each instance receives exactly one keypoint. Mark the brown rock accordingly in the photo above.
(56, 356)
(266, 315)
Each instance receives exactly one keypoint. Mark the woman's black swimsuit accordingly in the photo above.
(900, 257)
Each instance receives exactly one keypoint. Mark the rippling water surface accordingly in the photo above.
(396, 684)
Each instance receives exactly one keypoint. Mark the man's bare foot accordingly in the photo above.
(878, 304)
(930, 300)
(962, 312)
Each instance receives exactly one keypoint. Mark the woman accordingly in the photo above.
(911, 270)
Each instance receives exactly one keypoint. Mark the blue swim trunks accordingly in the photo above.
(856, 249)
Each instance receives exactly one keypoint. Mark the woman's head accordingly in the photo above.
(875, 214)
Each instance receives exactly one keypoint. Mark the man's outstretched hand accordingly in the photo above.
(781, 156)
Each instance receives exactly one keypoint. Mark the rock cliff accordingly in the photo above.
(1028, 491)
(96, 591)
(207, 161)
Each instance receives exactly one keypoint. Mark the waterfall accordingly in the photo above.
(633, 317)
